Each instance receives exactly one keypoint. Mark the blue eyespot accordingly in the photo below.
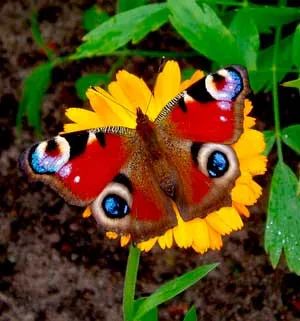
(217, 164)
(115, 206)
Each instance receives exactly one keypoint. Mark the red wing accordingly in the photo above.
(211, 110)
(77, 165)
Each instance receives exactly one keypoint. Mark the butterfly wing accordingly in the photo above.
(108, 171)
(198, 127)
(210, 110)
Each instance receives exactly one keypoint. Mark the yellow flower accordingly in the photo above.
(128, 90)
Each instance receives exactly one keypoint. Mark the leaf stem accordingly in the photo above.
(130, 282)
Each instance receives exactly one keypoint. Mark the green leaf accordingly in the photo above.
(173, 288)
(247, 37)
(269, 139)
(283, 220)
(187, 73)
(191, 315)
(86, 81)
(152, 23)
(204, 31)
(262, 77)
(291, 136)
(292, 83)
(125, 5)
(296, 47)
(118, 31)
(93, 17)
(34, 88)
(152, 315)
(267, 17)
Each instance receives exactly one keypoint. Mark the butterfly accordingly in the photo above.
(132, 178)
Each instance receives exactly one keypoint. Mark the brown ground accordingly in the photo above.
(56, 266)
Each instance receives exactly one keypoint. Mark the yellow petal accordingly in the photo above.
(109, 110)
(111, 235)
(83, 116)
(247, 107)
(249, 122)
(147, 245)
(251, 143)
(137, 92)
(200, 235)
(167, 85)
(256, 165)
(231, 217)
(125, 240)
(217, 223)
(242, 209)
(181, 232)
(166, 240)
(215, 239)
(87, 212)
(246, 191)
(198, 74)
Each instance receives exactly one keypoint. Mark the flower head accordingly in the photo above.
(128, 90)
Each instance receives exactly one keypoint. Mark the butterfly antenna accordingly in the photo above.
(160, 67)
(113, 100)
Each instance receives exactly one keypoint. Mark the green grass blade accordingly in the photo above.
(283, 221)
(200, 26)
(152, 315)
(173, 288)
(34, 88)
(191, 315)
(291, 136)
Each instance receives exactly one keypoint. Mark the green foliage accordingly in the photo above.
(125, 5)
(223, 31)
(283, 222)
(293, 83)
(120, 29)
(291, 136)
(172, 288)
(191, 315)
(270, 140)
(34, 88)
(152, 315)
(86, 81)
(93, 17)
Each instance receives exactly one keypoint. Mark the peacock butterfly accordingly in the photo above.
(131, 178)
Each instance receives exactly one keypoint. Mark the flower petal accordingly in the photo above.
(201, 240)
(87, 212)
(147, 245)
(256, 165)
(125, 240)
(251, 143)
(167, 85)
(231, 218)
(246, 191)
(198, 74)
(217, 223)
(215, 238)
(111, 235)
(242, 209)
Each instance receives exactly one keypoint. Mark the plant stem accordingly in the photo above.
(275, 89)
(130, 282)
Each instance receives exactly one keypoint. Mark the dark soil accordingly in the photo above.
(54, 265)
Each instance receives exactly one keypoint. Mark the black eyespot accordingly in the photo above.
(115, 206)
(217, 164)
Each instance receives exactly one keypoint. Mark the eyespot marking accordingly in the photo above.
(217, 164)
(115, 206)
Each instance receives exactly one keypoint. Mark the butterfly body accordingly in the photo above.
(133, 178)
